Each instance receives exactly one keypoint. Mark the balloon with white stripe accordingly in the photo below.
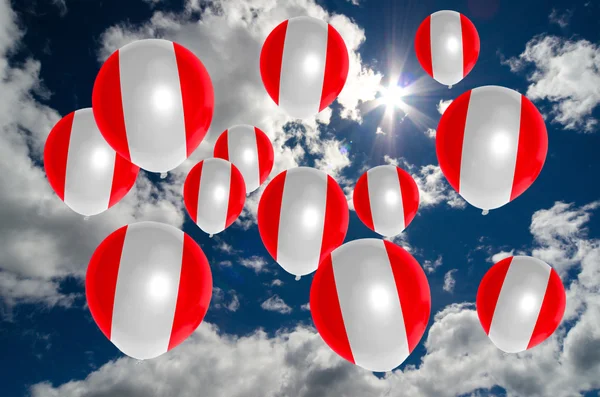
(153, 101)
(386, 199)
(148, 286)
(370, 302)
(214, 194)
(82, 169)
(491, 145)
(302, 217)
(304, 65)
(447, 46)
(250, 150)
(520, 303)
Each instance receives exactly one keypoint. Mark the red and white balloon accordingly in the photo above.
(83, 170)
(148, 287)
(491, 145)
(447, 46)
(370, 302)
(386, 199)
(214, 194)
(302, 217)
(250, 150)
(304, 65)
(520, 303)
(153, 101)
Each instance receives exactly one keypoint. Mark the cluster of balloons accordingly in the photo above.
(149, 285)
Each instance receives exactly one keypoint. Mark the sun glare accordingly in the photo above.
(392, 96)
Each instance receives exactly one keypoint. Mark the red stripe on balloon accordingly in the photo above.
(532, 149)
(197, 96)
(551, 312)
(489, 291)
(191, 191)
(266, 156)
(470, 44)
(221, 149)
(124, 176)
(269, 213)
(107, 105)
(410, 195)
(101, 279)
(56, 154)
(423, 45)
(413, 292)
(336, 67)
(271, 57)
(194, 293)
(449, 139)
(326, 311)
(362, 202)
(237, 195)
(336, 218)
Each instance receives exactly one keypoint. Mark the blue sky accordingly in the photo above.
(49, 346)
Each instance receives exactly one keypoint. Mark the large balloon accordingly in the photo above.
(520, 303)
(491, 145)
(84, 171)
(304, 65)
(153, 101)
(250, 150)
(447, 46)
(370, 302)
(386, 199)
(214, 194)
(148, 287)
(302, 217)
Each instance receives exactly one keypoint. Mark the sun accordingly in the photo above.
(392, 96)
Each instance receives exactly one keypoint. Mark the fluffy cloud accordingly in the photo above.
(559, 18)
(431, 266)
(567, 74)
(430, 132)
(276, 304)
(225, 300)
(449, 281)
(443, 105)
(256, 263)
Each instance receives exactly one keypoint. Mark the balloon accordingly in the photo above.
(370, 302)
(153, 101)
(148, 287)
(302, 217)
(83, 170)
(250, 150)
(386, 199)
(304, 65)
(214, 194)
(491, 145)
(520, 303)
(447, 46)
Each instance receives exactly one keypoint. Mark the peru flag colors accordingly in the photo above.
(83, 170)
(153, 101)
(250, 150)
(447, 46)
(520, 303)
(370, 302)
(304, 65)
(302, 217)
(491, 145)
(386, 199)
(148, 286)
(214, 194)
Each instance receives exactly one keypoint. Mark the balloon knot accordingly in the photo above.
(297, 278)
(163, 175)
(450, 86)
(86, 218)
(210, 236)
(485, 212)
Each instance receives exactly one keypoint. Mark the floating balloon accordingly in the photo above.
(153, 101)
(491, 145)
(214, 194)
(302, 217)
(386, 199)
(84, 171)
(250, 150)
(370, 302)
(520, 303)
(304, 65)
(447, 46)
(148, 287)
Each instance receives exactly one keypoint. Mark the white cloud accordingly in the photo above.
(430, 132)
(225, 300)
(276, 283)
(335, 157)
(305, 307)
(443, 105)
(256, 263)
(567, 74)
(379, 131)
(559, 18)
(449, 281)
(354, 2)
(497, 257)
(430, 267)
(276, 304)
